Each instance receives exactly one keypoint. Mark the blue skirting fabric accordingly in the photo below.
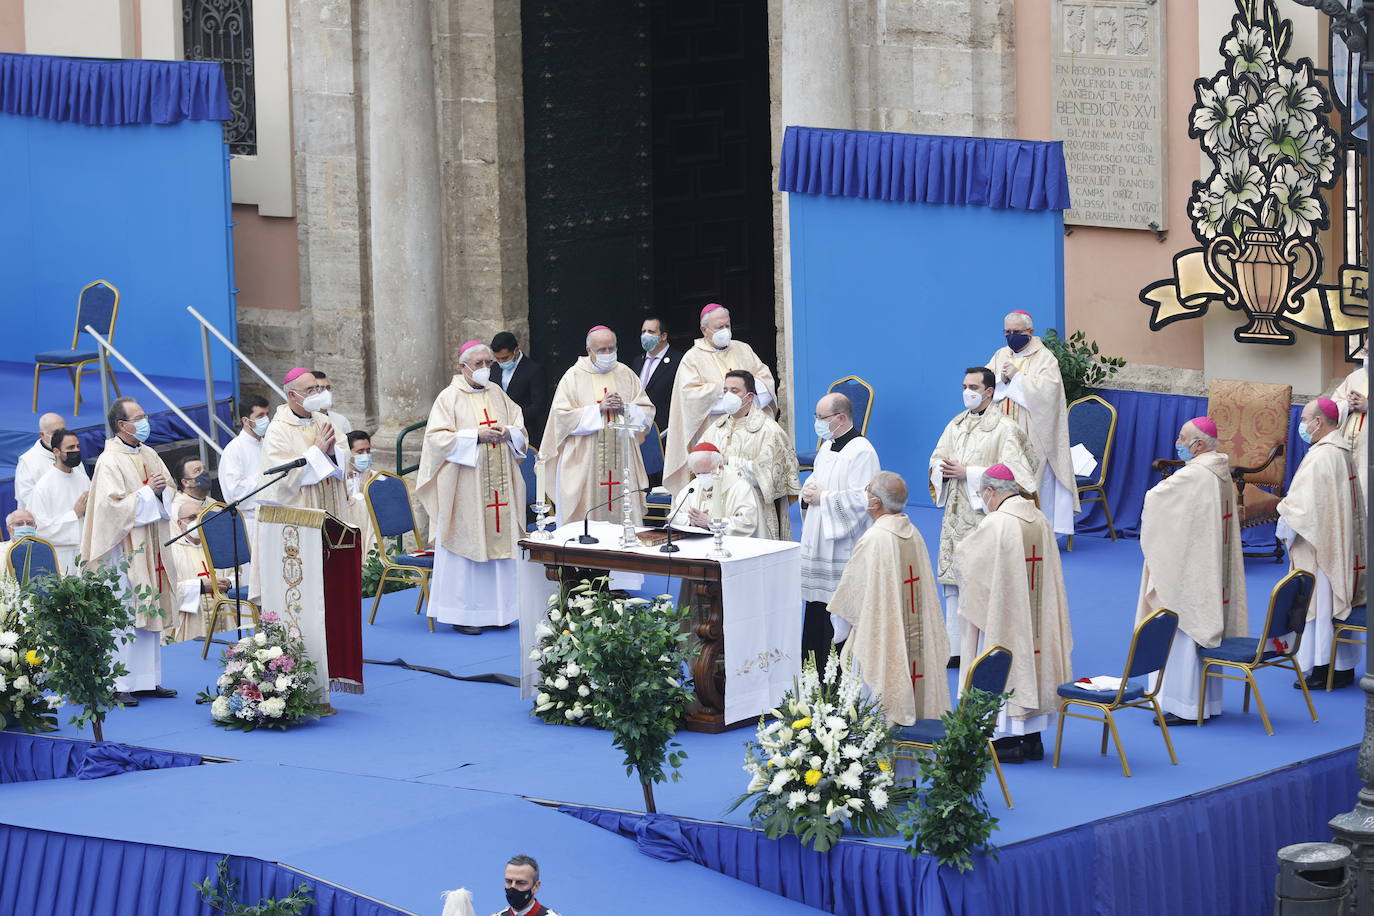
(55, 874)
(110, 93)
(27, 758)
(1147, 425)
(1213, 852)
(922, 169)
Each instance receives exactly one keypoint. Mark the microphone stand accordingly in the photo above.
(232, 509)
(669, 546)
(586, 537)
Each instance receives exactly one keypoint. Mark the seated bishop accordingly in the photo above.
(716, 492)
(470, 485)
(1190, 536)
(888, 596)
(759, 450)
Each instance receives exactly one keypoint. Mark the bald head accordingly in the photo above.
(48, 424)
(602, 340)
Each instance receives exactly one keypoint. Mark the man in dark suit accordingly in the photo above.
(657, 367)
(523, 381)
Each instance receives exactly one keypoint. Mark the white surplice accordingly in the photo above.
(53, 504)
(238, 476)
(832, 526)
(31, 467)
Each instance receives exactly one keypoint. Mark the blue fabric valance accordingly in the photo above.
(923, 169)
(110, 93)
(26, 758)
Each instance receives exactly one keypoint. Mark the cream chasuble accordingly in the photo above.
(1034, 398)
(1324, 510)
(124, 515)
(1011, 589)
(1194, 565)
(977, 441)
(759, 450)
(187, 562)
(584, 453)
(727, 496)
(696, 389)
(832, 526)
(888, 595)
(1353, 424)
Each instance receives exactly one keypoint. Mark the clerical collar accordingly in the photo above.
(302, 421)
(840, 442)
(132, 448)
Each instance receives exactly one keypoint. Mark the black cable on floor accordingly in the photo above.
(489, 678)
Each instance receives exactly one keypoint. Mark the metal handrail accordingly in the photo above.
(206, 329)
(108, 348)
(401, 469)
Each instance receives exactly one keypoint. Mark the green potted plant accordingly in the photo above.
(1081, 364)
(222, 893)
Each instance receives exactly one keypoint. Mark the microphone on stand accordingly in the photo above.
(289, 466)
(585, 537)
(669, 546)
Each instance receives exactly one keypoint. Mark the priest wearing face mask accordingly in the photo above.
(59, 500)
(300, 430)
(716, 492)
(192, 483)
(1352, 399)
(357, 472)
(238, 466)
(971, 443)
(1030, 390)
(581, 453)
(1322, 520)
(759, 450)
(193, 575)
(697, 391)
(127, 519)
(19, 524)
(1011, 593)
(470, 485)
(342, 427)
(1194, 566)
(834, 517)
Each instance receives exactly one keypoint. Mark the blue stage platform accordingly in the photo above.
(19, 424)
(422, 784)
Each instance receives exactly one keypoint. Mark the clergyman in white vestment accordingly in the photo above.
(58, 502)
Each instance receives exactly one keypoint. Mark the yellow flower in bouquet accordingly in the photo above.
(803, 722)
(33, 658)
(884, 765)
(813, 777)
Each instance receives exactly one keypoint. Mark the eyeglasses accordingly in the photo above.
(314, 389)
(827, 416)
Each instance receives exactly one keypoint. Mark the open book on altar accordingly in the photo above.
(311, 573)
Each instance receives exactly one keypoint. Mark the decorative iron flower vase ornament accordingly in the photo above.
(1258, 277)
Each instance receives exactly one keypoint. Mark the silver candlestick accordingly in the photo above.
(627, 428)
(541, 521)
(718, 528)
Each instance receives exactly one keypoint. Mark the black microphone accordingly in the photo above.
(669, 546)
(290, 465)
(585, 537)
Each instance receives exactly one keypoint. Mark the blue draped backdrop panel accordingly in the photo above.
(1212, 852)
(1146, 427)
(56, 874)
(115, 170)
(904, 244)
(26, 758)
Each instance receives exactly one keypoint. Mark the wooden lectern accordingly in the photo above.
(312, 572)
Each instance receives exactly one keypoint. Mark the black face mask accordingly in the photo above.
(71, 459)
(519, 899)
(201, 481)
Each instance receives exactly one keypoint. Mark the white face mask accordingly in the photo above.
(320, 400)
(480, 377)
(721, 339)
(260, 426)
(972, 399)
(731, 402)
(604, 362)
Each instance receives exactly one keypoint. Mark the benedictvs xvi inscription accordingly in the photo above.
(1109, 109)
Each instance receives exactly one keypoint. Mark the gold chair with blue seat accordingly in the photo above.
(860, 395)
(1092, 424)
(1355, 623)
(97, 305)
(1287, 615)
(388, 505)
(989, 672)
(223, 539)
(1148, 653)
(31, 557)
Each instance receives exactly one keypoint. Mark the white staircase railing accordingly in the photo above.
(206, 329)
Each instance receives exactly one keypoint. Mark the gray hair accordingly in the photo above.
(10, 519)
(890, 489)
(519, 860)
(707, 317)
(1200, 436)
(1020, 316)
(999, 485)
(462, 357)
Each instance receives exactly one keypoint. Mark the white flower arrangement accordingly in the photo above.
(824, 763)
(1261, 122)
(265, 683)
(22, 665)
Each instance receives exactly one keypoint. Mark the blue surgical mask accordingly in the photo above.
(260, 426)
(1184, 452)
(1017, 341)
(506, 367)
(648, 341)
(823, 429)
(24, 531)
(362, 462)
(1305, 434)
(142, 430)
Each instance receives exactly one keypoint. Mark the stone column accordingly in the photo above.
(816, 66)
(406, 243)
